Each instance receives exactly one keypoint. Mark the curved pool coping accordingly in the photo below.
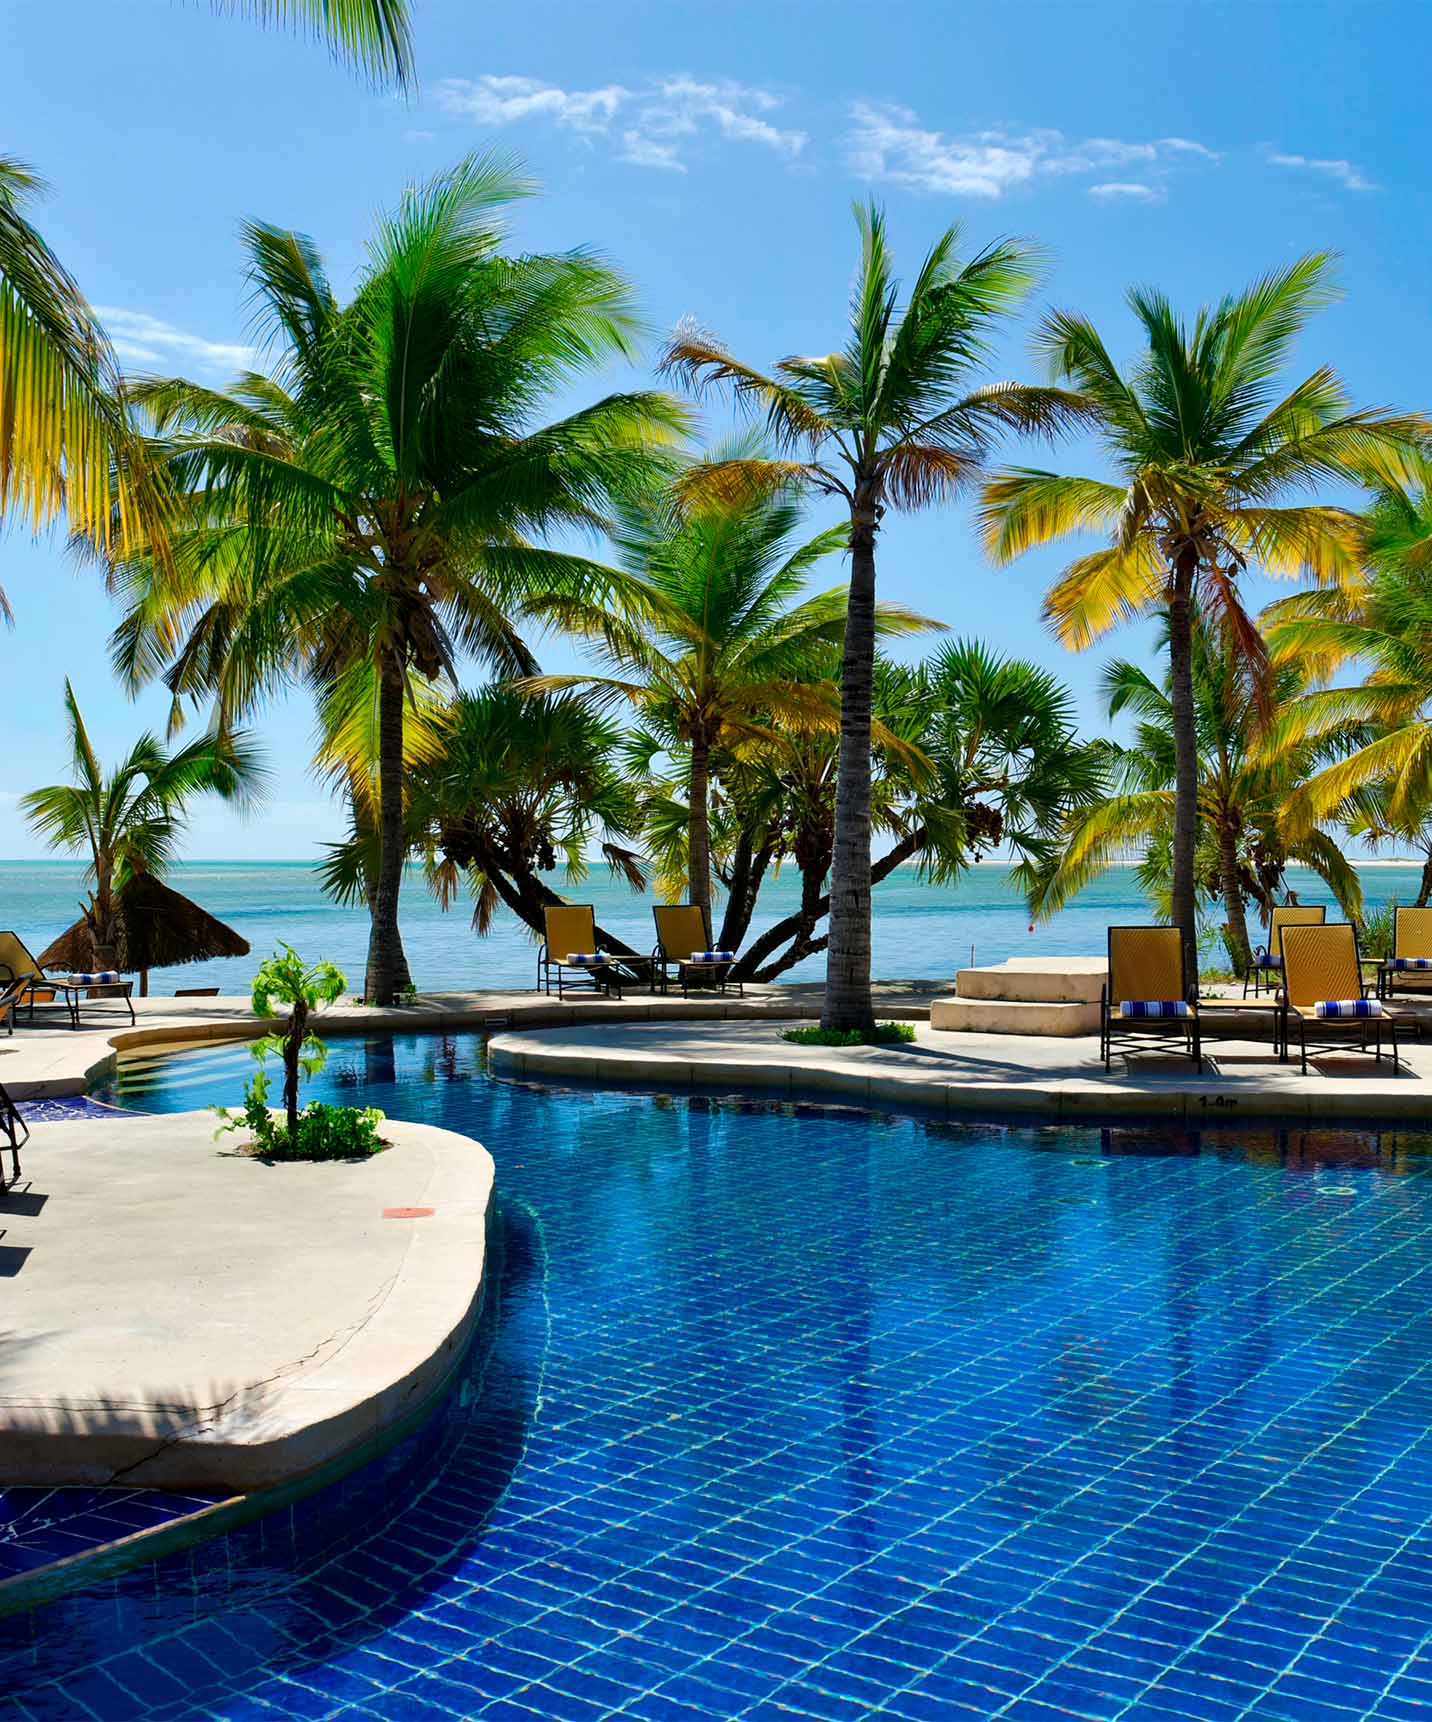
(955, 1073)
(54, 1063)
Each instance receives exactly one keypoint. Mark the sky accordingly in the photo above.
(713, 153)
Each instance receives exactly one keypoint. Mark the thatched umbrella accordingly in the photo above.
(157, 929)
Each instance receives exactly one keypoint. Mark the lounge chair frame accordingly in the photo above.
(712, 976)
(1268, 977)
(14, 1134)
(1182, 1034)
(601, 978)
(1331, 1033)
(1411, 927)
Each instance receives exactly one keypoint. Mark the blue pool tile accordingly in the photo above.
(786, 1412)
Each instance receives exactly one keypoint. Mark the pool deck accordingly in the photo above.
(181, 1316)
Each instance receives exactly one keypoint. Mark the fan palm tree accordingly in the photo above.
(66, 446)
(892, 420)
(509, 788)
(129, 821)
(374, 500)
(1248, 769)
(1211, 448)
(972, 752)
(721, 653)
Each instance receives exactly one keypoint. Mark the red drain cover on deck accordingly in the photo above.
(407, 1213)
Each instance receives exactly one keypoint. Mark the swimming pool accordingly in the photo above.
(792, 1411)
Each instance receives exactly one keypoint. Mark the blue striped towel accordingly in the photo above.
(1154, 1007)
(585, 959)
(1347, 1007)
(1265, 959)
(1412, 962)
(100, 978)
(712, 957)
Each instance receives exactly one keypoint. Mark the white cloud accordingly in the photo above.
(890, 145)
(494, 101)
(142, 339)
(1128, 190)
(1350, 177)
(646, 126)
(1189, 147)
(642, 151)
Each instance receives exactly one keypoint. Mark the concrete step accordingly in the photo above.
(1036, 980)
(1015, 1016)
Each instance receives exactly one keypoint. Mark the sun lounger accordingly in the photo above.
(683, 943)
(24, 982)
(570, 952)
(1146, 997)
(1266, 975)
(1409, 969)
(1323, 993)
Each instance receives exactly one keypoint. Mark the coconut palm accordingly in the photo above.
(374, 36)
(894, 419)
(374, 500)
(1383, 624)
(1211, 450)
(721, 652)
(1248, 768)
(129, 821)
(66, 446)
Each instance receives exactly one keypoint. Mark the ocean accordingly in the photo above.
(920, 931)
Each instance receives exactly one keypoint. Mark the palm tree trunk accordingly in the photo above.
(848, 1003)
(292, 1051)
(1424, 888)
(387, 972)
(103, 932)
(1235, 905)
(1185, 746)
(698, 839)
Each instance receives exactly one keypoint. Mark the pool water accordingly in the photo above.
(804, 1412)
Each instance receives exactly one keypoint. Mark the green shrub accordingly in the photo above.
(883, 1034)
(318, 1132)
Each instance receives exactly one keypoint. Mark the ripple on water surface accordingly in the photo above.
(803, 1412)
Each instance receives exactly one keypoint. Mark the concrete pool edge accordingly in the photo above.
(48, 1583)
(310, 1455)
(726, 1057)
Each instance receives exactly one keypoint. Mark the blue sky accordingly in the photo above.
(713, 153)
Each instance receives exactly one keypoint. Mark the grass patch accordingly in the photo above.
(883, 1034)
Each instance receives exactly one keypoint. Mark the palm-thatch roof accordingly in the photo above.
(158, 929)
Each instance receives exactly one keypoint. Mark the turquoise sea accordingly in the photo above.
(920, 930)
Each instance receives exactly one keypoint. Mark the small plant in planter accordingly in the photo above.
(319, 1132)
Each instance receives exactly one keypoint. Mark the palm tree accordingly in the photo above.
(1208, 444)
(509, 788)
(892, 420)
(1248, 769)
(373, 502)
(66, 445)
(1383, 623)
(972, 752)
(129, 821)
(375, 36)
(718, 655)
